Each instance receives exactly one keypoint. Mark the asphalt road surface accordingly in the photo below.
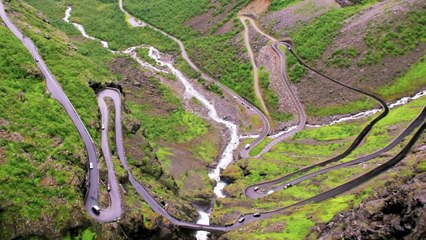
(115, 210)
(56, 92)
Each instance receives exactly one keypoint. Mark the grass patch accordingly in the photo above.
(311, 39)
(271, 98)
(105, 21)
(411, 81)
(41, 147)
(206, 151)
(396, 38)
(355, 106)
(277, 5)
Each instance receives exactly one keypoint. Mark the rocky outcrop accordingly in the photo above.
(396, 212)
(345, 3)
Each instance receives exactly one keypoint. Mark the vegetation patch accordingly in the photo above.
(271, 98)
(277, 5)
(311, 39)
(395, 38)
(412, 80)
(105, 21)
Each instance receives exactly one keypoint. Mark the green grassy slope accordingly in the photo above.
(42, 156)
(305, 148)
(220, 55)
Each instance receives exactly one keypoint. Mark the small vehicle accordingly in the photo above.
(241, 219)
(270, 192)
(91, 165)
(36, 59)
(247, 146)
(96, 209)
(256, 214)
(256, 189)
(288, 185)
(109, 187)
(103, 126)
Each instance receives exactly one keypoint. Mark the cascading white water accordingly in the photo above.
(227, 155)
(204, 220)
(190, 91)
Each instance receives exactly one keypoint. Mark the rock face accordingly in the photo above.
(344, 3)
(396, 212)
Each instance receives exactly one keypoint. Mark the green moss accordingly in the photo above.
(105, 21)
(206, 151)
(411, 81)
(311, 39)
(277, 5)
(395, 38)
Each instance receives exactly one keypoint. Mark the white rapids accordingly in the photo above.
(204, 220)
(227, 155)
(190, 92)
(371, 112)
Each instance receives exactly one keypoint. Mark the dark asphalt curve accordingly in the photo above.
(114, 211)
(250, 192)
(407, 131)
(56, 92)
(294, 99)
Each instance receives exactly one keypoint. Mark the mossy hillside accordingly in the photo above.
(289, 156)
(219, 55)
(271, 98)
(277, 5)
(311, 39)
(384, 41)
(88, 62)
(42, 156)
(105, 21)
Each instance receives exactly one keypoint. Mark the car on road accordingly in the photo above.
(103, 126)
(96, 209)
(288, 185)
(91, 165)
(256, 189)
(256, 214)
(247, 146)
(241, 219)
(36, 59)
(109, 187)
(270, 192)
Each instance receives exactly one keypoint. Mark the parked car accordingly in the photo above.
(256, 214)
(256, 189)
(96, 209)
(247, 146)
(270, 192)
(109, 187)
(241, 219)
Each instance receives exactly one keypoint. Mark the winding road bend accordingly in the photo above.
(296, 102)
(92, 196)
(250, 191)
(115, 210)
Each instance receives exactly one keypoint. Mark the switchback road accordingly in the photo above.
(111, 213)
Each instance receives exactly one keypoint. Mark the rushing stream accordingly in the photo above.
(191, 92)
